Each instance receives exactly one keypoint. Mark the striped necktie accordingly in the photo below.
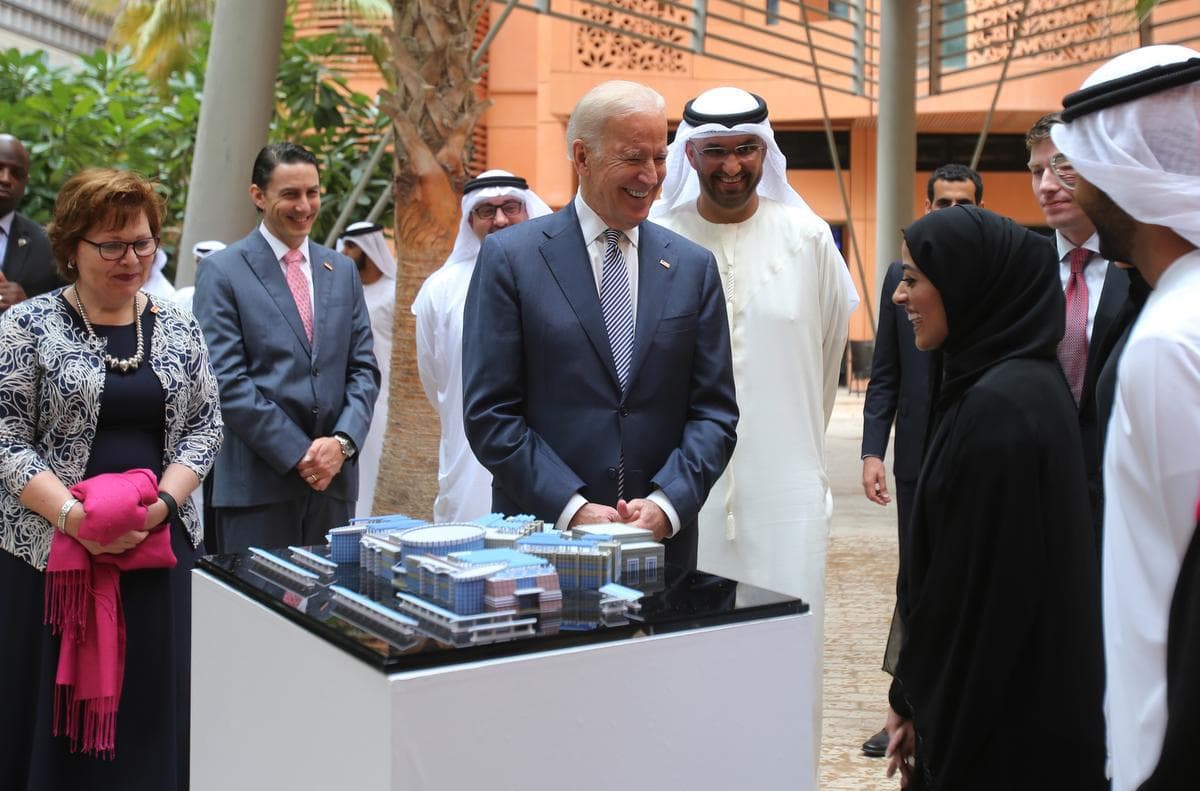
(617, 304)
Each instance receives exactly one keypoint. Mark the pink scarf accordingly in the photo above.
(83, 604)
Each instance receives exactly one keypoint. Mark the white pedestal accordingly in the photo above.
(277, 707)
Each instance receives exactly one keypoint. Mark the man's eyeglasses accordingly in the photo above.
(487, 211)
(720, 153)
(115, 251)
(1064, 171)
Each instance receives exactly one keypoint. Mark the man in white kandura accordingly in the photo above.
(490, 203)
(1129, 154)
(789, 299)
(364, 244)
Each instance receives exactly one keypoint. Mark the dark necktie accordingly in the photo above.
(1073, 348)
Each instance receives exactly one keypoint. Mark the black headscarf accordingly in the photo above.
(1000, 287)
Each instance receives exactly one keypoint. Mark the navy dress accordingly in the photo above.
(152, 719)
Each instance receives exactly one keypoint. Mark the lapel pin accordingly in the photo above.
(328, 266)
(665, 264)
(22, 241)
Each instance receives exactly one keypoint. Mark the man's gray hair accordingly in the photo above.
(609, 100)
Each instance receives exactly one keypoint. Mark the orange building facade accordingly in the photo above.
(544, 58)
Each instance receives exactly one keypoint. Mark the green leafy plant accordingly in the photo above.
(109, 113)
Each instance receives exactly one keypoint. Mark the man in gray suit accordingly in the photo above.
(290, 340)
(26, 265)
(597, 379)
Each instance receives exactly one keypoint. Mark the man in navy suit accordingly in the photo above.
(899, 391)
(26, 265)
(1107, 287)
(290, 340)
(598, 385)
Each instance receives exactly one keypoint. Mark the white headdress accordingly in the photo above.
(723, 112)
(1132, 131)
(370, 239)
(487, 185)
(202, 250)
(720, 112)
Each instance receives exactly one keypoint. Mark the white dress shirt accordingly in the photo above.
(280, 249)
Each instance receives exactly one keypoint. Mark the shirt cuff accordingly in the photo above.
(576, 502)
(658, 498)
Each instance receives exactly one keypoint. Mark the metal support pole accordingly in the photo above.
(896, 146)
(987, 121)
(352, 199)
(235, 115)
(482, 49)
(385, 198)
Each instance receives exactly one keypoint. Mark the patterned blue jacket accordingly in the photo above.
(51, 381)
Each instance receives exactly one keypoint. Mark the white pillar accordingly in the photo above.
(235, 114)
(896, 144)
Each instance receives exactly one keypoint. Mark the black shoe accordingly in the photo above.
(876, 746)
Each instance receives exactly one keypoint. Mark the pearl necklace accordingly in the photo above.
(115, 363)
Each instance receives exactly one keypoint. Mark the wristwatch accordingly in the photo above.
(348, 448)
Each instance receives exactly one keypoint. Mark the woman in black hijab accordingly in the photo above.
(1000, 681)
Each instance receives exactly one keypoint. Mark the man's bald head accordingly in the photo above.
(14, 173)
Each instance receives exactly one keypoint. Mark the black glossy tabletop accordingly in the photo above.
(678, 601)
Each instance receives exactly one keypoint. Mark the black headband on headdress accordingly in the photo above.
(483, 182)
(754, 115)
(1132, 86)
(362, 230)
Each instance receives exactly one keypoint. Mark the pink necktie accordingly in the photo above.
(299, 286)
(1073, 348)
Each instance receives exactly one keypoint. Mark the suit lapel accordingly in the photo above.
(322, 284)
(1112, 297)
(265, 267)
(573, 273)
(654, 279)
(16, 257)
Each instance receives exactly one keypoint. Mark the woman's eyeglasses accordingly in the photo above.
(115, 251)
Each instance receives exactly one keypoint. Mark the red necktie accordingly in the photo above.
(1073, 348)
(299, 286)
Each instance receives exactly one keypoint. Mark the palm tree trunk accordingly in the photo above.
(433, 105)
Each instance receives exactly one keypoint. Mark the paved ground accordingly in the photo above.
(860, 584)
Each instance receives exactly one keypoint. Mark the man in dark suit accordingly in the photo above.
(899, 392)
(290, 340)
(598, 385)
(1103, 283)
(26, 265)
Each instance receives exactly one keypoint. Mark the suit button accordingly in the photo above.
(315, 410)
(624, 412)
(612, 473)
(316, 372)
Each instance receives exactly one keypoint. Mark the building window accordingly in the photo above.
(953, 47)
(1001, 153)
(840, 9)
(772, 12)
(810, 150)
